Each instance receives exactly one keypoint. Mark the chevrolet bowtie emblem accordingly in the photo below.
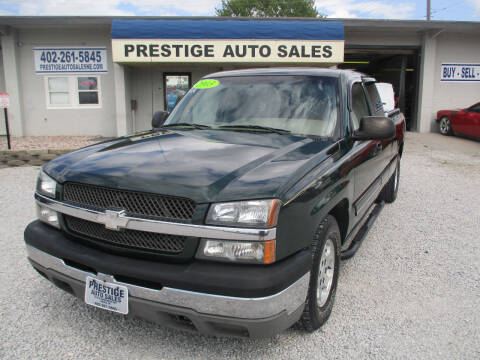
(115, 220)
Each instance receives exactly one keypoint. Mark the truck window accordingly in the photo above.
(306, 105)
(376, 103)
(359, 105)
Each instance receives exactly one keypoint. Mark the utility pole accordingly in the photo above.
(428, 10)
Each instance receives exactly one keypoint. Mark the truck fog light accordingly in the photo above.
(47, 216)
(261, 252)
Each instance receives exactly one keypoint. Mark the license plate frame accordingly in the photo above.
(106, 295)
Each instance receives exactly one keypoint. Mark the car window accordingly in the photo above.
(475, 108)
(375, 101)
(306, 105)
(359, 105)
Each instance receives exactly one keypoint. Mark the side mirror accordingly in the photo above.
(375, 128)
(159, 118)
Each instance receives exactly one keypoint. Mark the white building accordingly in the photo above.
(106, 76)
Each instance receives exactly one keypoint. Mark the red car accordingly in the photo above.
(462, 121)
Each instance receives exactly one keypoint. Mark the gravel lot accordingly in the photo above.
(412, 290)
(48, 142)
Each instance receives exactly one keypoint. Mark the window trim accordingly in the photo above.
(367, 102)
(473, 108)
(73, 92)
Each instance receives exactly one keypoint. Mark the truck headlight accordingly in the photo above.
(47, 215)
(255, 213)
(259, 252)
(46, 185)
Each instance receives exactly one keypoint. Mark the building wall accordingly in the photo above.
(2, 75)
(144, 82)
(2, 89)
(377, 37)
(455, 48)
(438, 48)
(37, 119)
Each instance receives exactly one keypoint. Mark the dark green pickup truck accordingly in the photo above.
(231, 216)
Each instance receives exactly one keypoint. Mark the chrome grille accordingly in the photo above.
(166, 243)
(136, 204)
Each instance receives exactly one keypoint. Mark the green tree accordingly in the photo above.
(268, 8)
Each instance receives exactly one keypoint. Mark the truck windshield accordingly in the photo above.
(306, 105)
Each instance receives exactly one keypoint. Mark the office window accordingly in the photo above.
(87, 90)
(58, 91)
(76, 92)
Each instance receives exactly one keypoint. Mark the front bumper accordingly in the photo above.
(50, 252)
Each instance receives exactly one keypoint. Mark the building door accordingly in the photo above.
(175, 86)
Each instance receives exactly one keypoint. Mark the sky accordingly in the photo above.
(465, 10)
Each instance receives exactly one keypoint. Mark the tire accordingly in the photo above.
(318, 305)
(445, 126)
(390, 190)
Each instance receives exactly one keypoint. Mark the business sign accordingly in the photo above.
(4, 100)
(227, 51)
(227, 41)
(460, 72)
(52, 60)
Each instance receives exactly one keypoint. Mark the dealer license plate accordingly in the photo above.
(105, 295)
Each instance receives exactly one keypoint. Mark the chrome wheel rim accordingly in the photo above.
(326, 272)
(444, 126)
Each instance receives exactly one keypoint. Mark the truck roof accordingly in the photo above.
(312, 71)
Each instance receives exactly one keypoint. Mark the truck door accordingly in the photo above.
(368, 156)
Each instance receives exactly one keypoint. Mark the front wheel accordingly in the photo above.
(445, 126)
(323, 274)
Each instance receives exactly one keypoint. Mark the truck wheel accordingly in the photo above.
(390, 190)
(323, 275)
(445, 126)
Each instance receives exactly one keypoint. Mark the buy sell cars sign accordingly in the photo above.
(227, 41)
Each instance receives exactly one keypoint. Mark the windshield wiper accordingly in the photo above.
(255, 127)
(195, 126)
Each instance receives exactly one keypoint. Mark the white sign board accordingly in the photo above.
(4, 100)
(460, 72)
(61, 60)
(227, 51)
(106, 295)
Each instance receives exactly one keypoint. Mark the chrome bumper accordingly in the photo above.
(286, 301)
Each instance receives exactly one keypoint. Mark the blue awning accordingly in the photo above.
(227, 29)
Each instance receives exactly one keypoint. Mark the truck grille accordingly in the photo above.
(166, 243)
(134, 203)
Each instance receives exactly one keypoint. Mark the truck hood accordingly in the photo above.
(203, 165)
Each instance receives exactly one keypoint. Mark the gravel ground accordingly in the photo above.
(48, 142)
(412, 290)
